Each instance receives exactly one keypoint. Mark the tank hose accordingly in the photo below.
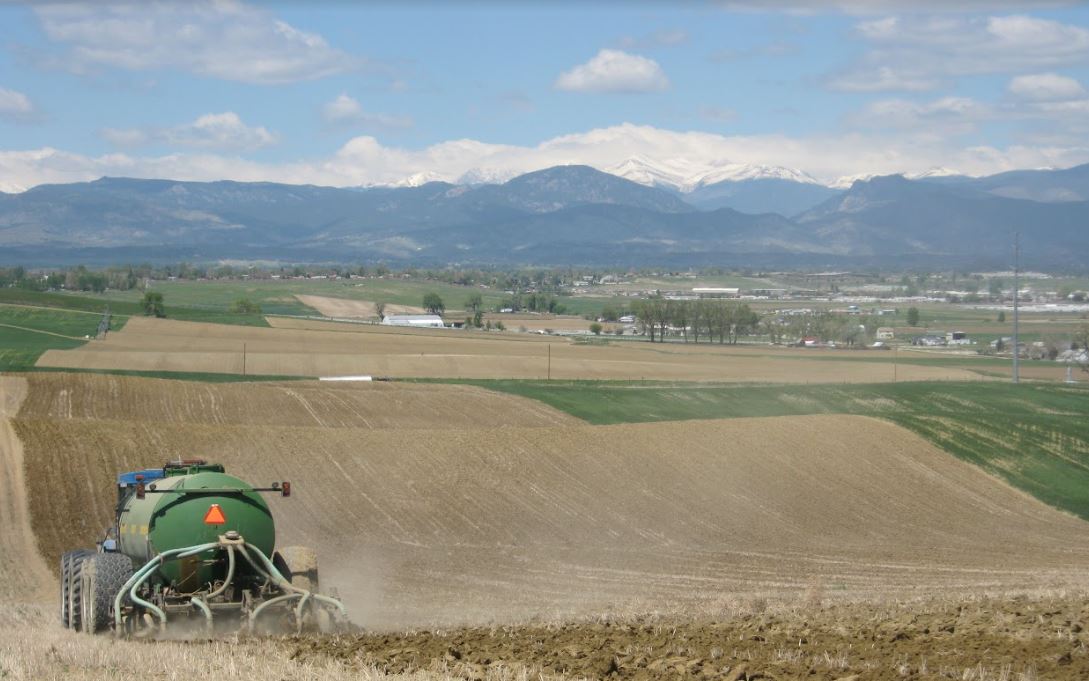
(262, 564)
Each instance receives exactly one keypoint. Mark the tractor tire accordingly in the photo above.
(66, 559)
(103, 576)
(75, 586)
(66, 583)
(301, 563)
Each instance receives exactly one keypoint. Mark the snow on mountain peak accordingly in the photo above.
(687, 176)
(936, 171)
(487, 176)
(418, 180)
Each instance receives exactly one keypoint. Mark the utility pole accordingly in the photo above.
(243, 359)
(549, 362)
(1016, 296)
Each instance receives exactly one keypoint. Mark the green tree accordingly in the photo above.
(913, 316)
(433, 303)
(1001, 316)
(153, 304)
(595, 329)
(474, 303)
(478, 318)
(245, 306)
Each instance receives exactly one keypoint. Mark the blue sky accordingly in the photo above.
(343, 94)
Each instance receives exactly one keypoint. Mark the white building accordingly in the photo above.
(886, 333)
(429, 321)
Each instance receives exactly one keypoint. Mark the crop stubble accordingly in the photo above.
(167, 345)
(421, 523)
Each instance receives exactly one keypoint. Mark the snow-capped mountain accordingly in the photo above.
(687, 176)
(475, 176)
(936, 171)
(846, 181)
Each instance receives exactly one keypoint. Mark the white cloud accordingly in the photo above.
(883, 79)
(1046, 87)
(919, 53)
(666, 37)
(210, 131)
(719, 114)
(614, 71)
(14, 105)
(220, 39)
(948, 115)
(363, 160)
(344, 110)
(883, 6)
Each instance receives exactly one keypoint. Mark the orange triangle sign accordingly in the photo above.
(214, 516)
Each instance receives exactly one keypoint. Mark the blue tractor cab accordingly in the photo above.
(148, 475)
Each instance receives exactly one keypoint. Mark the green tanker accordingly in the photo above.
(190, 541)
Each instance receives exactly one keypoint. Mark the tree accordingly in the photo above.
(153, 304)
(1001, 317)
(595, 329)
(474, 303)
(913, 316)
(245, 306)
(380, 308)
(1081, 337)
(478, 318)
(433, 303)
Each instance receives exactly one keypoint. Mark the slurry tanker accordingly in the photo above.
(192, 546)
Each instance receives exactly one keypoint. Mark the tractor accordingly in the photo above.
(192, 549)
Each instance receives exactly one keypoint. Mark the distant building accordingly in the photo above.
(957, 338)
(714, 292)
(429, 321)
(885, 333)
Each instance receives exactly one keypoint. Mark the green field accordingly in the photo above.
(1034, 436)
(124, 304)
(278, 296)
(25, 333)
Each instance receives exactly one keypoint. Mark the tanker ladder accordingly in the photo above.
(281, 593)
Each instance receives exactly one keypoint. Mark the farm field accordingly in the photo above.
(429, 520)
(1034, 436)
(815, 545)
(27, 332)
(297, 347)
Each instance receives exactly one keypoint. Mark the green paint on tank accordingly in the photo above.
(172, 517)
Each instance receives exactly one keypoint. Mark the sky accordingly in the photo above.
(348, 94)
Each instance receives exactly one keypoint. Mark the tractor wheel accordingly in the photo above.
(74, 584)
(301, 563)
(65, 576)
(102, 578)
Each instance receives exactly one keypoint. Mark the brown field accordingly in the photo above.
(427, 523)
(296, 348)
(345, 308)
(813, 547)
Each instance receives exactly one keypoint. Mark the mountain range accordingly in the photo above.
(642, 213)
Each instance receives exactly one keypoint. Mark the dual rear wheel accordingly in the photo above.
(90, 582)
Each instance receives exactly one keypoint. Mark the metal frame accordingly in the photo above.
(234, 546)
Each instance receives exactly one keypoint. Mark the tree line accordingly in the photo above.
(725, 321)
(706, 318)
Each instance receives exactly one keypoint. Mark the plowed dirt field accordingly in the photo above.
(348, 349)
(361, 309)
(421, 523)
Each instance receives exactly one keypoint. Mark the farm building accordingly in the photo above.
(885, 333)
(957, 338)
(716, 292)
(429, 321)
